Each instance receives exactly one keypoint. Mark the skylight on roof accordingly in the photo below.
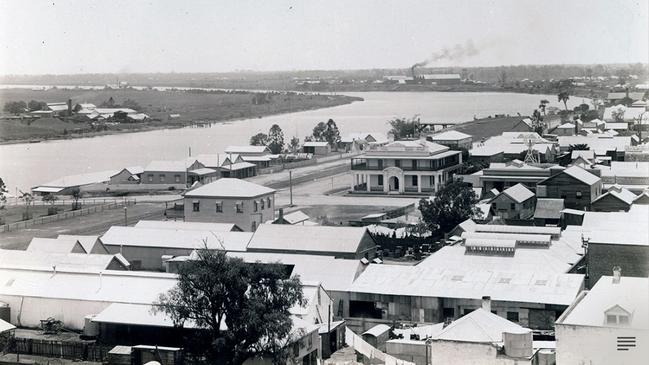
(541, 282)
(504, 280)
(457, 277)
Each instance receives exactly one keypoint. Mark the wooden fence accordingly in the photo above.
(73, 213)
(85, 351)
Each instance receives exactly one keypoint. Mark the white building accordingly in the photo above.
(404, 167)
(607, 325)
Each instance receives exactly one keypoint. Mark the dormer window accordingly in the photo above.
(617, 316)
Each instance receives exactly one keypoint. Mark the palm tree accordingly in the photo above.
(563, 96)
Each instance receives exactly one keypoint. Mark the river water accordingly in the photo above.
(26, 165)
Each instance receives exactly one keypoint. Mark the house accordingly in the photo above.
(576, 186)
(582, 156)
(68, 244)
(548, 211)
(516, 202)
(165, 174)
(128, 175)
(404, 167)
(523, 125)
(565, 129)
(340, 242)
(610, 242)
(616, 97)
(482, 337)
(316, 148)
(615, 199)
(68, 184)
(60, 109)
(147, 248)
(202, 175)
(238, 170)
(501, 176)
(453, 139)
(297, 217)
(486, 154)
(608, 324)
(360, 141)
(230, 200)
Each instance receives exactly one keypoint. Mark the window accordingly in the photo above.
(380, 180)
(512, 316)
(269, 202)
(415, 180)
(196, 206)
(611, 319)
(623, 320)
(397, 163)
(239, 207)
(432, 180)
(578, 194)
(150, 178)
(262, 203)
(563, 195)
(255, 206)
(177, 178)
(253, 226)
(512, 206)
(162, 178)
(219, 207)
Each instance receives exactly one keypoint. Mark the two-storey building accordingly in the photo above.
(404, 167)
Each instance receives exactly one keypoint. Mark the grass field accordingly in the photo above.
(192, 107)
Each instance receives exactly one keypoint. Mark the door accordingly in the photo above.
(394, 183)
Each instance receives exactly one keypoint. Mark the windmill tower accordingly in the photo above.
(531, 158)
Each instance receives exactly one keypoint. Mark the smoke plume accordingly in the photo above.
(456, 53)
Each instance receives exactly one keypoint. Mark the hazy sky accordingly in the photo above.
(199, 36)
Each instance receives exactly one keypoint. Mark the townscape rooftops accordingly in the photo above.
(308, 238)
(421, 281)
(479, 326)
(519, 193)
(56, 245)
(502, 228)
(548, 208)
(450, 136)
(238, 166)
(631, 294)
(619, 193)
(87, 241)
(230, 188)
(628, 114)
(134, 314)
(182, 225)
(296, 217)
(625, 168)
(612, 227)
(577, 173)
(6, 326)
(202, 171)
(617, 126)
(566, 126)
(175, 238)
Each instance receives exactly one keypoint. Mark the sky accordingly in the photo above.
(68, 37)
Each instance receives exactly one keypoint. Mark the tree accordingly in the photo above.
(618, 113)
(275, 139)
(243, 308)
(15, 107)
(50, 199)
(259, 139)
(319, 132)
(294, 144)
(28, 199)
(450, 206)
(332, 134)
(110, 103)
(563, 97)
(404, 127)
(34, 105)
(76, 196)
(544, 103)
(3, 191)
(131, 104)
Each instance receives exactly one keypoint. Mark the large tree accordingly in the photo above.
(294, 144)
(34, 105)
(276, 139)
(319, 132)
(243, 308)
(450, 206)
(259, 139)
(405, 127)
(15, 107)
(3, 191)
(563, 97)
(332, 134)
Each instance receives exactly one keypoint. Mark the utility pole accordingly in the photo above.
(290, 187)
(125, 217)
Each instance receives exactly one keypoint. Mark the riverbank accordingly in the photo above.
(167, 109)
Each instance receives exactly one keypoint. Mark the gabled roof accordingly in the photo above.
(315, 144)
(519, 193)
(566, 126)
(619, 193)
(80, 180)
(308, 238)
(479, 326)
(6, 326)
(296, 217)
(247, 149)
(230, 188)
(191, 226)
(577, 173)
(587, 154)
(175, 238)
(54, 245)
(39, 260)
(88, 242)
(548, 208)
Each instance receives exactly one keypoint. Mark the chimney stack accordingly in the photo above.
(617, 273)
(486, 303)
(281, 215)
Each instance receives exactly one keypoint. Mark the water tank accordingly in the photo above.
(5, 312)
(90, 328)
(546, 357)
(518, 344)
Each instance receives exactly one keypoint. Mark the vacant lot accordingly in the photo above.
(192, 106)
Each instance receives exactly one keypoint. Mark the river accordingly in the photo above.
(26, 165)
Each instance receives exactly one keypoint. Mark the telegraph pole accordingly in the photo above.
(290, 187)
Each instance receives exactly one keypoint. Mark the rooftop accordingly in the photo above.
(88, 242)
(19, 259)
(479, 326)
(631, 294)
(176, 238)
(587, 154)
(247, 149)
(449, 136)
(230, 188)
(182, 225)
(81, 179)
(619, 193)
(519, 193)
(548, 208)
(308, 238)
(315, 144)
(577, 173)
(469, 283)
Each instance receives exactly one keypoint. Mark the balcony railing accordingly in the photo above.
(367, 167)
(411, 189)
